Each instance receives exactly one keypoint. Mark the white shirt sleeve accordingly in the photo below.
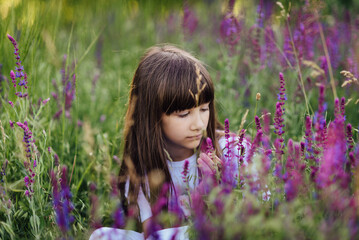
(143, 204)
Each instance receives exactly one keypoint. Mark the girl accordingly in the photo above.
(170, 111)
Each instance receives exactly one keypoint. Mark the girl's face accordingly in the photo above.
(183, 130)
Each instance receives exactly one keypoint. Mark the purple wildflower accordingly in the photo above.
(258, 123)
(278, 119)
(45, 101)
(308, 137)
(202, 226)
(350, 140)
(62, 201)
(290, 190)
(56, 160)
(270, 48)
(119, 217)
(333, 161)
(185, 171)
(320, 122)
(282, 96)
(240, 147)
(278, 125)
(229, 172)
(189, 22)
(68, 90)
(11, 124)
(230, 30)
(266, 122)
(255, 35)
(27, 139)
(153, 226)
(255, 144)
(11, 104)
(19, 77)
(209, 149)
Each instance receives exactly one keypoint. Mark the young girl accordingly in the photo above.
(170, 112)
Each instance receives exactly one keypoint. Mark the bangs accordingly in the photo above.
(182, 87)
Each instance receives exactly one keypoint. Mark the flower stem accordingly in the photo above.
(298, 65)
(326, 52)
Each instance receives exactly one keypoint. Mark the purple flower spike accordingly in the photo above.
(308, 137)
(258, 123)
(62, 201)
(209, 149)
(185, 171)
(45, 101)
(189, 22)
(282, 96)
(18, 77)
(350, 140)
(119, 218)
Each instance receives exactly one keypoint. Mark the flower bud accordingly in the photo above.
(258, 96)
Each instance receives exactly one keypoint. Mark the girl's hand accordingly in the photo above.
(208, 165)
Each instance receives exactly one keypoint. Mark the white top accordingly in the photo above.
(181, 186)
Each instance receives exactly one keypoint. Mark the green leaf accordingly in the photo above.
(8, 229)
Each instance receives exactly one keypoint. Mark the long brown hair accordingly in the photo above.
(165, 81)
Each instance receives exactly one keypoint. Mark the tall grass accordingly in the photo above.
(100, 43)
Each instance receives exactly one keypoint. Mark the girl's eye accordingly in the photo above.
(204, 109)
(183, 114)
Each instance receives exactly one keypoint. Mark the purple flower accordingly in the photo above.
(320, 122)
(350, 140)
(230, 29)
(45, 101)
(202, 226)
(269, 46)
(333, 161)
(278, 119)
(255, 144)
(185, 171)
(56, 160)
(11, 124)
(240, 147)
(282, 96)
(20, 76)
(68, 90)
(62, 201)
(308, 137)
(27, 139)
(278, 125)
(258, 123)
(11, 104)
(229, 174)
(290, 190)
(119, 217)
(27, 181)
(189, 22)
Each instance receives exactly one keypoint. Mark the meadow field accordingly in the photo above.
(286, 78)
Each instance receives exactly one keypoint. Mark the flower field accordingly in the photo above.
(286, 81)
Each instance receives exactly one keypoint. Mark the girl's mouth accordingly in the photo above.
(196, 137)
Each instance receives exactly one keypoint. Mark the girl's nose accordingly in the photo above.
(198, 122)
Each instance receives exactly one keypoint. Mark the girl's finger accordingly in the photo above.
(207, 159)
(204, 167)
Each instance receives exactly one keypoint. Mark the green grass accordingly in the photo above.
(117, 33)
